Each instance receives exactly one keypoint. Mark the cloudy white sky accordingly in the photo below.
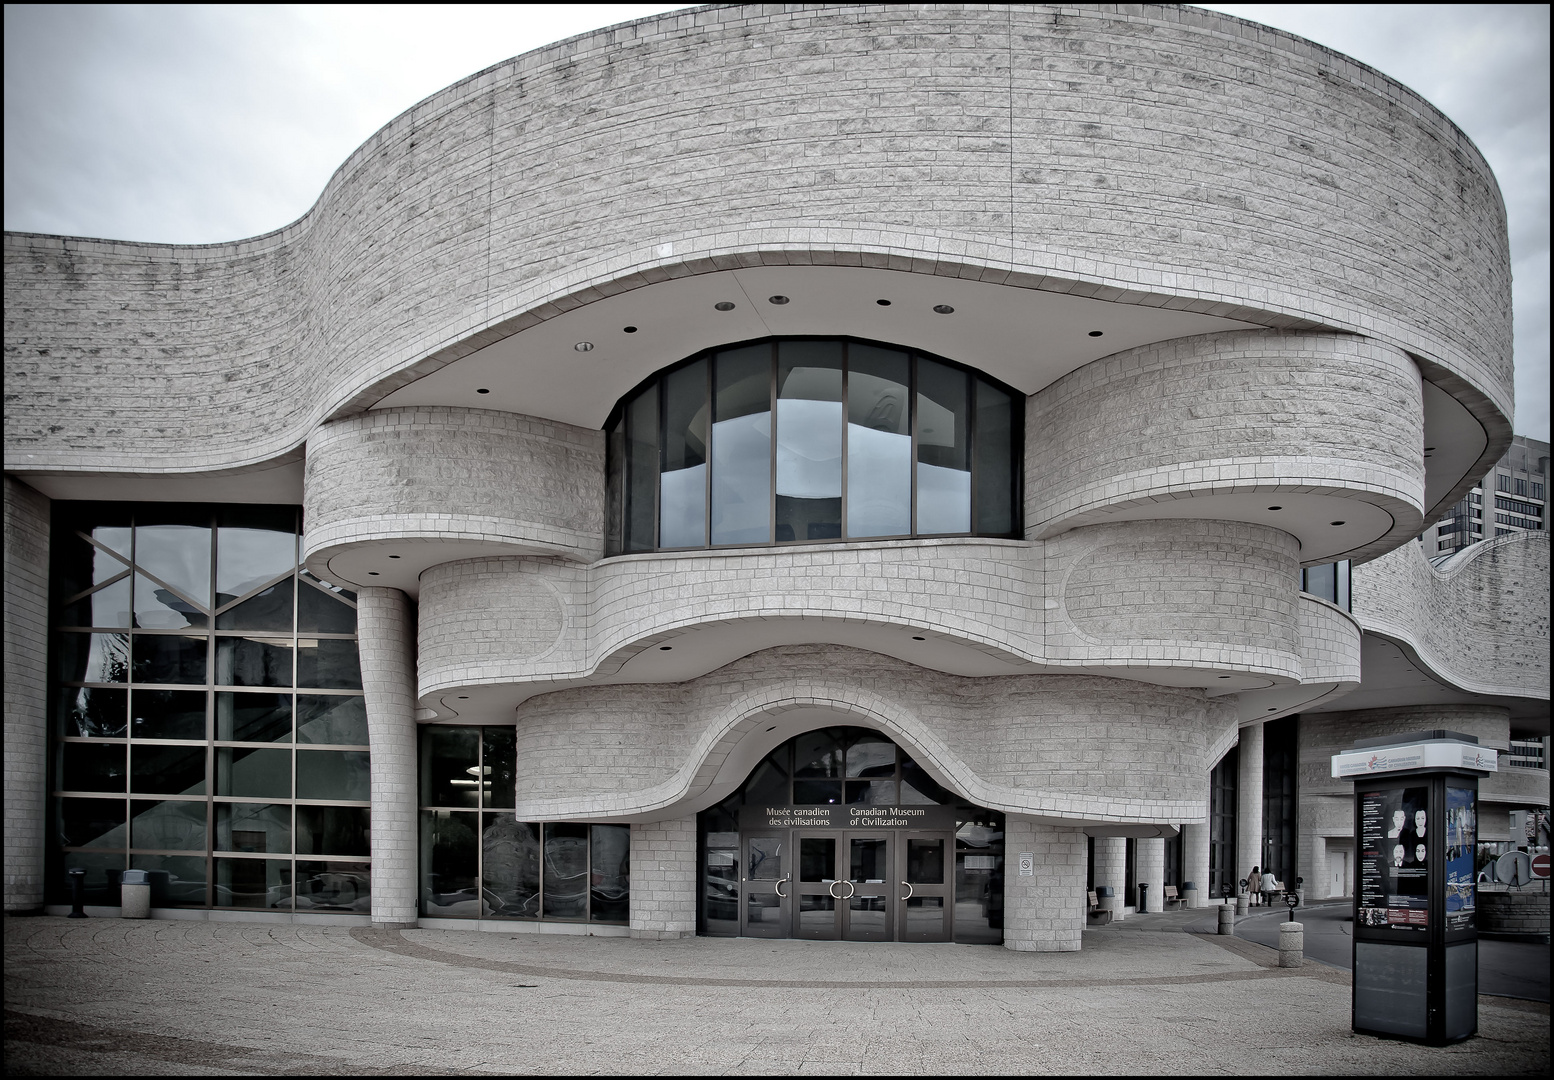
(191, 124)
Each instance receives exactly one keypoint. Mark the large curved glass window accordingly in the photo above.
(799, 440)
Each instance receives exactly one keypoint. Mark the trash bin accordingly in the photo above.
(1143, 897)
(1106, 898)
(135, 895)
(1190, 893)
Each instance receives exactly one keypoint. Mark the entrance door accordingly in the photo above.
(924, 907)
(764, 908)
(844, 888)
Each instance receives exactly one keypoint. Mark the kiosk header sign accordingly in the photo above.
(1429, 755)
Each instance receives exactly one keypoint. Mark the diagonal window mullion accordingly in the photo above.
(204, 609)
(120, 576)
(255, 591)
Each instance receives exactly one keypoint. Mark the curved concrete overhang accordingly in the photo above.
(345, 308)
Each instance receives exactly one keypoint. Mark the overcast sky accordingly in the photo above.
(202, 124)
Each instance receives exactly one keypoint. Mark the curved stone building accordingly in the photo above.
(829, 472)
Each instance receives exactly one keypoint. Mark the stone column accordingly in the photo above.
(1150, 870)
(26, 693)
(1111, 869)
(1249, 804)
(385, 629)
(663, 879)
(1195, 859)
(1313, 866)
(1044, 912)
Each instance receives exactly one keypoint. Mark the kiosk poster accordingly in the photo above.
(1394, 882)
(1461, 834)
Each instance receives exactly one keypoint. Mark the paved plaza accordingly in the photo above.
(107, 996)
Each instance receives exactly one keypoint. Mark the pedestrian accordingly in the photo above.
(1254, 881)
(1270, 886)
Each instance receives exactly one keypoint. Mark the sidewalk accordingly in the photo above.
(107, 996)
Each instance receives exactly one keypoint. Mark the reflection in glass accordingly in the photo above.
(332, 830)
(817, 913)
(920, 789)
(246, 661)
(253, 773)
(450, 763)
(867, 917)
(253, 717)
(332, 719)
(253, 883)
(320, 611)
(867, 860)
(817, 753)
(871, 755)
(176, 880)
(817, 792)
(871, 793)
(768, 784)
(92, 767)
(995, 465)
(879, 443)
(90, 823)
(79, 564)
(93, 657)
(925, 862)
(610, 873)
(924, 916)
(328, 664)
(101, 884)
(253, 827)
(108, 606)
(178, 555)
(333, 774)
(253, 545)
(169, 658)
(566, 870)
(641, 469)
(512, 867)
(979, 883)
(943, 449)
(817, 858)
(682, 513)
(268, 610)
(809, 440)
(448, 865)
(501, 764)
(720, 890)
(169, 714)
(91, 712)
(167, 770)
(742, 446)
(167, 825)
(334, 886)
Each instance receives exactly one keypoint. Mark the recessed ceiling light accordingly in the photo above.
(1095, 333)
(1428, 449)
(1335, 523)
(918, 637)
(883, 303)
(1224, 676)
(483, 390)
(464, 697)
(944, 309)
(724, 305)
(772, 728)
(629, 329)
(665, 648)
(1276, 508)
(393, 556)
(584, 346)
(779, 300)
(372, 573)
(1273, 710)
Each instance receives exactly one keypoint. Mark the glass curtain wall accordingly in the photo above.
(208, 721)
(800, 440)
(1281, 803)
(1330, 581)
(478, 861)
(1222, 825)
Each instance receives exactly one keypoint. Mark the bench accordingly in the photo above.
(1096, 913)
(1170, 897)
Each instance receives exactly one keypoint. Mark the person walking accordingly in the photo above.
(1254, 882)
(1269, 886)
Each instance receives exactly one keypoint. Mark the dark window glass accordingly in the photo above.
(253, 773)
(742, 446)
(943, 449)
(334, 886)
(253, 717)
(512, 867)
(501, 765)
(79, 564)
(269, 610)
(169, 658)
(610, 879)
(245, 661)
(641, 469)
(167, 825)
(682, 513)
(93, 657)
(254, 827)
(101, 884)
(169, 714)
(809, 440)
(615, 485)
(332, 830)
(768, 784)
(253, 883)
(1322, 581)
(817, 792)
(871, 755)
(320, 611)
(92, 767)
(918, 788)
(566, 871)
(254, 544)
(90, 823)
(925, 862)
(91, 712)
(995, 461)
(167, 770)
(818, 754)
(176, 880)
(871, 793)
(328, 664)
(108, 606)
(333, 774)
(879, 442)
(332, 718)
(979, 882)
(817, 858)
(450, 761)
(448, 865)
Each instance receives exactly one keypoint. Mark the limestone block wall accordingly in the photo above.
(1329, 643)
(455, 474)
(1023, 744)
(1479, 621)
(1142, 154)
(26, 693)
(1243, 411)
(1324, 734)
(663, 879)
(1044, 912)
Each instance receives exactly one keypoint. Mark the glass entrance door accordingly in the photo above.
(818, 891)
(844, 888)
(764, 908)
(924, 909)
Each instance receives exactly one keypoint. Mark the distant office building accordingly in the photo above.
(1511, 499)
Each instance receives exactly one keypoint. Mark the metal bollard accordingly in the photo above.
(135, 895)
(1292, 945)
(77, 893)
(1227, 920)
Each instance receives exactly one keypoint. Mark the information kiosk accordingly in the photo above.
(1415, 936)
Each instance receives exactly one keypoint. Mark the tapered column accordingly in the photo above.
(663, 879)
(1195, 859)
(1151, 871)
(1044, 912)
(26, 702)
(1249, 804)
(385, 628)
(1111, 869)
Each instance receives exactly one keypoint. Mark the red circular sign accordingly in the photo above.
(1540, 866)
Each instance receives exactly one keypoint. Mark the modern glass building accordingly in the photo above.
(828, 473)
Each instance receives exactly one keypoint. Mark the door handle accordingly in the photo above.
(777, 888)
(909, 889)
(850, 890)
(832, 890)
